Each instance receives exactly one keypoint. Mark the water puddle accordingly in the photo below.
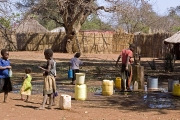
(37, 88)
(160, 100)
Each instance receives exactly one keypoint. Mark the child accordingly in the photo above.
(126, 69)
(4, 73)
(49, 78)
(26, 87)
(74, 63)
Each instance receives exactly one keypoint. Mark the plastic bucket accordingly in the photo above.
(152, 83)
(80, 92)
(171, 83)
(80, 78)
(70, 74)
(107, 87)
(176, 90)
(118, 83)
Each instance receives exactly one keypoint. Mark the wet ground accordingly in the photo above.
(152, 99)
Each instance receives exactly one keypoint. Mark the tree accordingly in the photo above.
(6, 19)
(93, 22)
(71, 14)
(134, 15)
(174, 18)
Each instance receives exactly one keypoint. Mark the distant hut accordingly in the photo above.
(58, 29)
(173, 43)
(30, 26)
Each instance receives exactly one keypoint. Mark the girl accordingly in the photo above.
(74, 63)
(4, 73)
(26, 87)
(49, 78)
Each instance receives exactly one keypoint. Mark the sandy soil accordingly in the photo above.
(96, 107)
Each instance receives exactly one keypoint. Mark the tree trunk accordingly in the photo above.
(66, 44)
(63, 44)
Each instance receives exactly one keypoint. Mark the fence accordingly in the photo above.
(98, 42)
(95, 42)
(88, 42)
(38, 42)
(151, 45)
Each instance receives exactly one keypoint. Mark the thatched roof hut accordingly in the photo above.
(174, 44)
(30, 25)
(173, 39)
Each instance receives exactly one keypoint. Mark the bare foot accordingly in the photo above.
(49, 107)
(26, 100)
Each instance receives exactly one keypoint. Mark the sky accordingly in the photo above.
(161, 6)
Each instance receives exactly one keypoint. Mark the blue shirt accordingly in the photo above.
(4, 73)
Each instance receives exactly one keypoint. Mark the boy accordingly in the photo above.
(4, 73)
(49, 78)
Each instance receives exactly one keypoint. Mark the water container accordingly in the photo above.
(152, 83)
(65, 102)
(80, 78)
(107, 87)
(176, 90)
(10, 73)
(135, 86)
(80, 92)
(118, 83)
(145, 88)
(70, 73)
(171, 83)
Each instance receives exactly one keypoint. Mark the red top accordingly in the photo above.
(124, 54)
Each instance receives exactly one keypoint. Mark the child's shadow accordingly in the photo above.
(27, 106)
(26, 101)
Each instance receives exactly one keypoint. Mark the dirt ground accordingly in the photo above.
(119, 106)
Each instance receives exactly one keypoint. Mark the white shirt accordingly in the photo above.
(75, 62)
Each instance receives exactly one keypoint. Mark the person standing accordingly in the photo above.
(75, 62)
(4, 73)
(26, 86)
(49, 78)
(126, 69)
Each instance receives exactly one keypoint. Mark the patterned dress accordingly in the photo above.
(26, 87)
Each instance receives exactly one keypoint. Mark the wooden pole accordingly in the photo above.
(138, 75)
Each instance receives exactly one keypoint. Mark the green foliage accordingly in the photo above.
(176, 28)
(94, 23)
(48, 24)
(5, 22)
(169, 62)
